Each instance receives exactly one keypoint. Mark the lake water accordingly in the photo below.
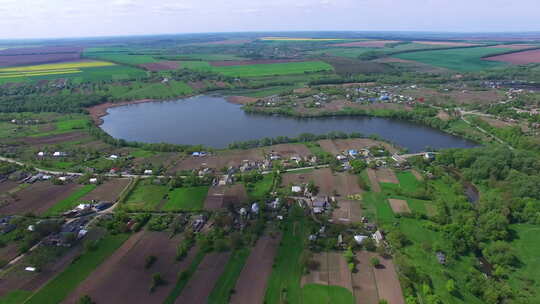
(214, 122)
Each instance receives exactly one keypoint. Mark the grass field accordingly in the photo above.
(203, 57)
(222, 290)
(15, 297)
(70, 202)
(260, 70)
(462, 60)
(526, 246)
(141, 90)
(323, 294)
(59, 287)
(284, 282)
(146, 197)
(186, 199)
(261, 188)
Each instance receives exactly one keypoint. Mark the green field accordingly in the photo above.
(222, 290)
(64, 283)
(15, 297)
(287, 270)
(186, 199)
(202, 57)
(121, 58)
(462, 60)
(146, 197)
(260, 188)
(70, 202)
(142, 90)
(526, 246)
(323, 294)
(260, 70)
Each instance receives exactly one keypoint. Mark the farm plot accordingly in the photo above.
(38, 55)
(457, 96)
(525, 57)
(337, 146)
(349, 211)
(446, 43)
(108, 191)
(289, 150)
(38, 198)
(399, 206)
(388, 285)
(147, 197)
(55, 139)
(368, 44)
(221, 196)
(332, 270)
(386, 175)
(218, 161)
(53, 69)
(363, 280)
(250, 62)
(124, 278)
(186, 199)
(251, 283)
(329, 184)
(261, 70)
(203, 280)
(372, 175)
(161, 66)
(462, 60)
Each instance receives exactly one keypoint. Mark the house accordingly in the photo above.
(63, 178)
(41, 154)
(255, 208)
(353, 153)
(113, 157)
(102, 206)
(148, 172)
(59, 154)
(341, 157)
(296, 189)
(378, 237)
(31, 269)
(320, 205)
(429, 156)
(312, 237)
(441, 257)
(93, 180)
(359, 239)
(225, 180)
(296, 158)
(400, 160)
(275, 204)
(274, 157)
(243, 211)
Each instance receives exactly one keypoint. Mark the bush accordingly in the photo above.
(149, 261)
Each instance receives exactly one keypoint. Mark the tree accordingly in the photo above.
(451, 286)
(86, 300)
(375, 262)
(149, 261)
(383, 301)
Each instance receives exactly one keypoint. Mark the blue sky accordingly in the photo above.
(83, 18)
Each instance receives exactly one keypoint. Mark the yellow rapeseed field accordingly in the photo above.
(57, 66)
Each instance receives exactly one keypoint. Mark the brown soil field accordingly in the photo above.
(388, 284)
(227, 42)
(412, 65)
(337, 105)
(38, 55)
(251, 284)
(370, 43)
(385, 175)
(9, 252)
(333, 270)
(344, 66)
(123, 278)
(343, 183)
(496, 123)
(417, 174)
(372, 175)
(349, 211)
(445, 43)
(243, 100)
(54, 139)
(197, 85)
(203, 280)
(19, 279)
(250, 62)
(38, 198)
(399, 206)
(524, 57)
(442, 115)
(220, 160)
(289, 150)
(364, 284)
(220, 196)
(339, 145)
(98, 111)
(161, 66)
(514, 46)
(6, 186)
(108, 191)
(457, 96)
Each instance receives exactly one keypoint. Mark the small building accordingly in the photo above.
(359, 239)
(59, 154)
(63, 178)
(148, 172)
(113, 157)
(93, 180)
(341, 157)
(321, 203)
(353, 153)
(31, 269)
(255, 208)
(378, 237)
(296, 189)
(41, 154)
(429, 156)
(243, 211)
(441, 257)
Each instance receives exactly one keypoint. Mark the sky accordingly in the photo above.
(89, 18)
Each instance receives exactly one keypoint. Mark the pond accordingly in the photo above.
(214, 122)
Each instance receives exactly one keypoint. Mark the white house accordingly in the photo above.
(378, 237)
(41, 154)
(148, 172)
(93, 180)
(296, 189)
(359, 239)
(113, 157)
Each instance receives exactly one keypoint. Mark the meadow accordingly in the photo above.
(150, 197)
(260, 70)
(461, 60)
(186, 199)
(143, 90)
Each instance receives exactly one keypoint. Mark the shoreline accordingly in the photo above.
(98, 111)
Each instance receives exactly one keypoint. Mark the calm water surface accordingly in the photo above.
(214, 122)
